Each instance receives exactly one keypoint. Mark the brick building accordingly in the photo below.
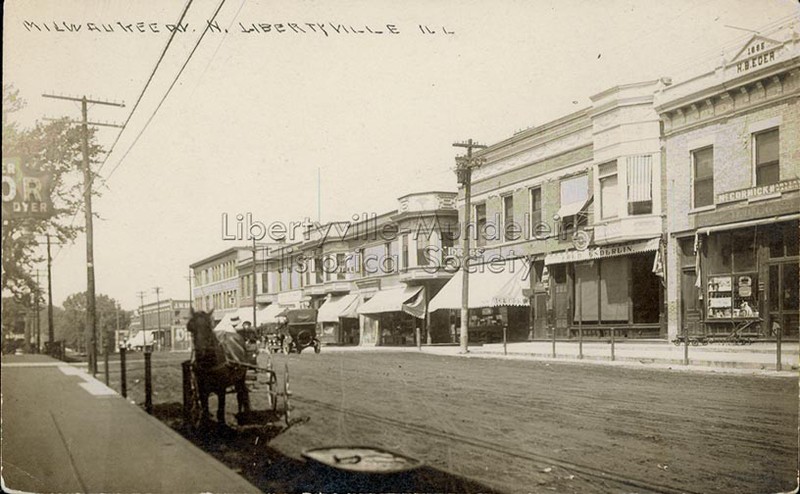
(577, 204)
(732, 154)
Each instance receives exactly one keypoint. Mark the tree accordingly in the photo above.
(71, 329)
(54, 147)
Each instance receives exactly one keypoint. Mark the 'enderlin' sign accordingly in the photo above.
(760, 191)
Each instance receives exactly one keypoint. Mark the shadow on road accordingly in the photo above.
(245, 449)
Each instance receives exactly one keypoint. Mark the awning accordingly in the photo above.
(390, 300)
(747, 224)
(572, 208)
(486, 288)
(270, 314)
(600, 251)
(141, 338)
(334, 307)
(235, 320)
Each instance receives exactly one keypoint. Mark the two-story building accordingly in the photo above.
(577, 204)
(730, 137)
(216, 281)
(165, 324)
(370, 278)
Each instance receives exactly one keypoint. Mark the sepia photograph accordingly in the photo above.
(353, 246)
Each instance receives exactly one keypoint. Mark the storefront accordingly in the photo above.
(496, 300)
(603, 287)
(741, 277)
(338, 320)
(392, 316)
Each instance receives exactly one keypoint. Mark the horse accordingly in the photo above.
(217, 359)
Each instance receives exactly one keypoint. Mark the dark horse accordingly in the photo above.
(217, 359)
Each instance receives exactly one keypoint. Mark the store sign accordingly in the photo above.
(26, 190)
(760, 191)
(601, 251)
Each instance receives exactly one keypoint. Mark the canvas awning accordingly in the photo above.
(503, 285)
(394, 299)
(270, 314)
(334, 307)
(601, 251)
(234, 320)
(573, 208)
(141, 338)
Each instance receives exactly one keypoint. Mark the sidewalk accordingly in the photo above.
(64, 431)
(757, 357)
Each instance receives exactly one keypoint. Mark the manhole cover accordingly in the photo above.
(362, 459)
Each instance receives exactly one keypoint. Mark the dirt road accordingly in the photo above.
(525, 426)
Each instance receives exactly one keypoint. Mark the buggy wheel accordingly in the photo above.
(695, 342)
(196, 410)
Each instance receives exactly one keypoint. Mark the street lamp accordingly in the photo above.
(464, 166)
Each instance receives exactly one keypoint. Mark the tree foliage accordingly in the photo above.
(54, 147)
(71, 327)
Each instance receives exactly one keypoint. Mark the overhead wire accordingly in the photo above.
(169, 90)
(133, 110)
(146, 85)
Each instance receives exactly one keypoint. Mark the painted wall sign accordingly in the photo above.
(26, 190)
(760, 191)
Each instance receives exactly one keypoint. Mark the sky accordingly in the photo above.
(284, 124)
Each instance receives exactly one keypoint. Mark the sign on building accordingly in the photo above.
(26, 190)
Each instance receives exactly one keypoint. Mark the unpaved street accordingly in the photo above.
(525, 426)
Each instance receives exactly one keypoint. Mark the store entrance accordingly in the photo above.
(782, 299)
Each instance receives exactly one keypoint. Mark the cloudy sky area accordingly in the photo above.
(256, 115)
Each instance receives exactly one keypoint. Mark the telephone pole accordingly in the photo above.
(158, 315)
(464, 167)
(50, 331)
(91, 315)
(141, 320)
(37, 294)
(254, 281)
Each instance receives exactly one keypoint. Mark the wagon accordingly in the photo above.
(257, 379)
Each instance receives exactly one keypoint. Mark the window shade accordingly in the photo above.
(640, 176)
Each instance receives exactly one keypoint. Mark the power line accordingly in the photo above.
(169, 90)
(146, 85)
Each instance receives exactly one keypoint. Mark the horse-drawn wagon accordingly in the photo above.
(222, 363)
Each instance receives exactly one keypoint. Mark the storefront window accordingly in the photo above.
(744, 250)
(783, 240)
(719, 253)
(614, 293)
(587, 285)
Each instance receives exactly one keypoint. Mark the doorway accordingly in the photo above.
(782, 299)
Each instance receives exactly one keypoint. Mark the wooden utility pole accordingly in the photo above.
(254, 281)
(38, 315)
(91, 315)
(158, 315)
(464, 167)
(141, 320)
(50, 330)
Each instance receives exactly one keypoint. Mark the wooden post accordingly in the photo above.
(505, 339)
(148, 383)
(613, 330)
(778, 366)
(122, 372)
(419, 339)
(686, 345)
(554, 341)
(580, 318)
(187, 391)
